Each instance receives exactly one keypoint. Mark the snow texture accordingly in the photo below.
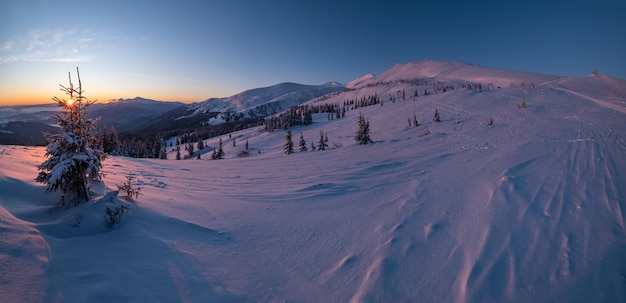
(529, 209)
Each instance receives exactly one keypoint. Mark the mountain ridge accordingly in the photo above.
(497, 202)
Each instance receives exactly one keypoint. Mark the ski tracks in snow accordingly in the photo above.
(534, 207)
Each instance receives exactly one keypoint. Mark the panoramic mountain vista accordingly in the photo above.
(478, 185)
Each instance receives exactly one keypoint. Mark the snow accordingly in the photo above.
(530, 209)
(464, 72)
(356, 82)
(265, 100)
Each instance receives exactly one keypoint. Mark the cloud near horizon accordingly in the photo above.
(41, 45)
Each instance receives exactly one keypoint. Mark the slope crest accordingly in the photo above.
(459, 71)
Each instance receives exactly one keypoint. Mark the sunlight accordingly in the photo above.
(70, 102)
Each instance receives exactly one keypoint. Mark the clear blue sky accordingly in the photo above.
(192, 50)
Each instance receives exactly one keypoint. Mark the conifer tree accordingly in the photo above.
(362, 135)
(72, 161)
(200, 144)
(219, 153)
(246, 145)
(308, 117)
(436, 118)
(178, 157)
(190, 149)
(321, 145)
(302, 143)
(288, 148)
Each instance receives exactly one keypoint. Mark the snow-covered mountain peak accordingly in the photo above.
(459, 72)
(332, 83)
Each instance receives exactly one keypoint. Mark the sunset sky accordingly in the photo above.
(193, 50)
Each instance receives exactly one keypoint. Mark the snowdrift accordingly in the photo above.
(529, 209)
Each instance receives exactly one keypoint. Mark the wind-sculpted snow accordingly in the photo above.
(529, 209)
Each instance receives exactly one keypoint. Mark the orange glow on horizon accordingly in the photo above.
(35, 98)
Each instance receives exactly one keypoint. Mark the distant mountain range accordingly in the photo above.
(24, 124)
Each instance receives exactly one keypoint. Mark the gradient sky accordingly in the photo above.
(193, 50)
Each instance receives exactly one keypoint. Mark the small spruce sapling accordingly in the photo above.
(128, 189)
(114, 215)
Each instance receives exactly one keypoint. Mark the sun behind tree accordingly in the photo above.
(73, 162)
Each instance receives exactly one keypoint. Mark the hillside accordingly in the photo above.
(284, 95)
(22, 125)
(529, 209)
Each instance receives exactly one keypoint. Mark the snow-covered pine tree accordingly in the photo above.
(302, 143)
(362, 135)
(72, 159)
(288, 148)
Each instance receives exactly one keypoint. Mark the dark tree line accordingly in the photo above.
(302, 115)
(143, 145)
(149, 144)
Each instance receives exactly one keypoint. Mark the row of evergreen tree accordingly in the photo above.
(362, 136)
(322, 143)
(302, 115)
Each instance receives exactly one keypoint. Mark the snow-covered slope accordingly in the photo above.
(266, 100)
(456, 71)
(358, 81)
(529, 209)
